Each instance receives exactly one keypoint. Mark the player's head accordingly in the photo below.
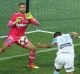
(57, 34)
(22, 7)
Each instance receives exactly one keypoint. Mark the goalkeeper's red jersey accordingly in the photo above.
(20, 28)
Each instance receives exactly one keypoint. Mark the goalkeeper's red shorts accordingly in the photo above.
(11, 39)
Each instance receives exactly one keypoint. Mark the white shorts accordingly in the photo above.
(66, 60)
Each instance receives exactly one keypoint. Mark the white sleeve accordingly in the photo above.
(54, 41)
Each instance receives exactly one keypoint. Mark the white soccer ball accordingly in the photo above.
(23, 40)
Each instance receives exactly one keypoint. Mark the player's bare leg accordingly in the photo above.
(3, 48)
(69, 72)
(32, 55)
(56, 71)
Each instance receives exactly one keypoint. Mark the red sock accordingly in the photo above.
(31, 56)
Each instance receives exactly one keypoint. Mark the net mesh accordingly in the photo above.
(53, 15)
(57, 15)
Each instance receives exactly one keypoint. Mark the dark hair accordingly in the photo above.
(21, 4)
(57, 34)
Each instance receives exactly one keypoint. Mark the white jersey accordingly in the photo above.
(64, 44)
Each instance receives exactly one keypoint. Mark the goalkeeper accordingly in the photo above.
(18, 25)
(65, 54)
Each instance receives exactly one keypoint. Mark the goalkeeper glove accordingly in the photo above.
(28, 15)
(18, 20)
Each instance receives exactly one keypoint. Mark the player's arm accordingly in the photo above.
(40, 45)
(74, 34)
(49, 45)
(32, 19)
(13, 21)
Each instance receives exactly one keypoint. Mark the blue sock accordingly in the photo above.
(55, 72)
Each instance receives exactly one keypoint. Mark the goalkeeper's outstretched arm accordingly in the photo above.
(12, 23)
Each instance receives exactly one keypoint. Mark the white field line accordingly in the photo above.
(25, 33)
(32, 32)
(16, 56)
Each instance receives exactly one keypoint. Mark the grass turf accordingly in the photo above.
(54, 15)
(44, 60)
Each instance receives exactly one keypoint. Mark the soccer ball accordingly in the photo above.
(23, 40)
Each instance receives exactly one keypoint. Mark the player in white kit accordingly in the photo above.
(65, 54)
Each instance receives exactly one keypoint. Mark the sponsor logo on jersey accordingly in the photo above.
(21, 25)
(65, 45)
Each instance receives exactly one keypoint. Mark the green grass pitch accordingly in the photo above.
(44, 60)
(54, 15)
